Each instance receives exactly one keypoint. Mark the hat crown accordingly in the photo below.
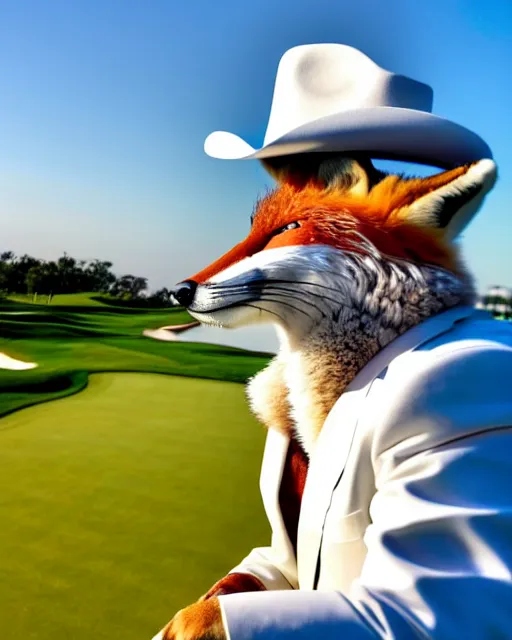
(334, 98)
(318, 80)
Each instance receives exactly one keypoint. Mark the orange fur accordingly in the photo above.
(339, 219)
(199, 621)
(237, 253)
(334, 218)
(234, 583)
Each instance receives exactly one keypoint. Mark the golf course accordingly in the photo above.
(128, 469)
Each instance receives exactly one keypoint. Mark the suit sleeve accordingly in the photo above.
(439, 560)
(264, 563)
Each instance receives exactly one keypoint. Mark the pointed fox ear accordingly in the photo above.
(450, 199)
(350, 175)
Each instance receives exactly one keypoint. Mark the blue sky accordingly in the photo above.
(105, 105)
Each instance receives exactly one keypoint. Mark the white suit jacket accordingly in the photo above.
(405, 527)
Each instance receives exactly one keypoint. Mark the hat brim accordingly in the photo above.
(381, 132)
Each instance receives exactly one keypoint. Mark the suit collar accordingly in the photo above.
(334, 442)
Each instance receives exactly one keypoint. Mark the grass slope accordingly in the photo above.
(123, 503)
(67, 299)
(70, 340)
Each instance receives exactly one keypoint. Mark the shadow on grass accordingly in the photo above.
(19, 393)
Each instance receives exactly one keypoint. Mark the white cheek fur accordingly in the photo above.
(260, 260)
(316, 288)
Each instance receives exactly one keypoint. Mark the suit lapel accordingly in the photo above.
(325, 469)
(274, 458)
(333, 444)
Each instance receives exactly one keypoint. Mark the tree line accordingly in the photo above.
(28, 275)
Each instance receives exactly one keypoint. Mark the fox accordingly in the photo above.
(342, 258)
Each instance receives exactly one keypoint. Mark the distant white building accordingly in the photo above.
(500, 292)
(497, 300)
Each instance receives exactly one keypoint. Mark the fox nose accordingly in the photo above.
(184, 292)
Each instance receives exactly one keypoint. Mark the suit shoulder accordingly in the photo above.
(447, 389)
(474, 339)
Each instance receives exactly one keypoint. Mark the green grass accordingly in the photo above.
(123, 503)
(67, 299)
(69, 342)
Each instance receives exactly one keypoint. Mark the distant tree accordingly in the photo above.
(99, 276)
(26, 274)
(34, 279)
(162, 297)
(6, 256)
(5, 269)
(4, 279)
(43, 278)
(66, 275)
(18, 272)
(129, 287)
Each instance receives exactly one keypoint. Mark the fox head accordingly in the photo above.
(342, 258)
(338, 241)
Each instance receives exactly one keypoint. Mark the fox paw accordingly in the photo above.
(199, 621)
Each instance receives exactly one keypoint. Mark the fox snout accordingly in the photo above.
(184, 292)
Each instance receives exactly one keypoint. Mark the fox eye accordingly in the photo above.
(287, 227)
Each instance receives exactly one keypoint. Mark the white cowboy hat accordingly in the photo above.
(331, 97)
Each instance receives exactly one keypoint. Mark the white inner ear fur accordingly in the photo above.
(425, 210)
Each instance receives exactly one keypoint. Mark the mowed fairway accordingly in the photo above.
(123, 503)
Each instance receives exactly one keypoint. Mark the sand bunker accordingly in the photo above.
(170, 332)
(261, 338)
(6, 362)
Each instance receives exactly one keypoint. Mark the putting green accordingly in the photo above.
(123, 503)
